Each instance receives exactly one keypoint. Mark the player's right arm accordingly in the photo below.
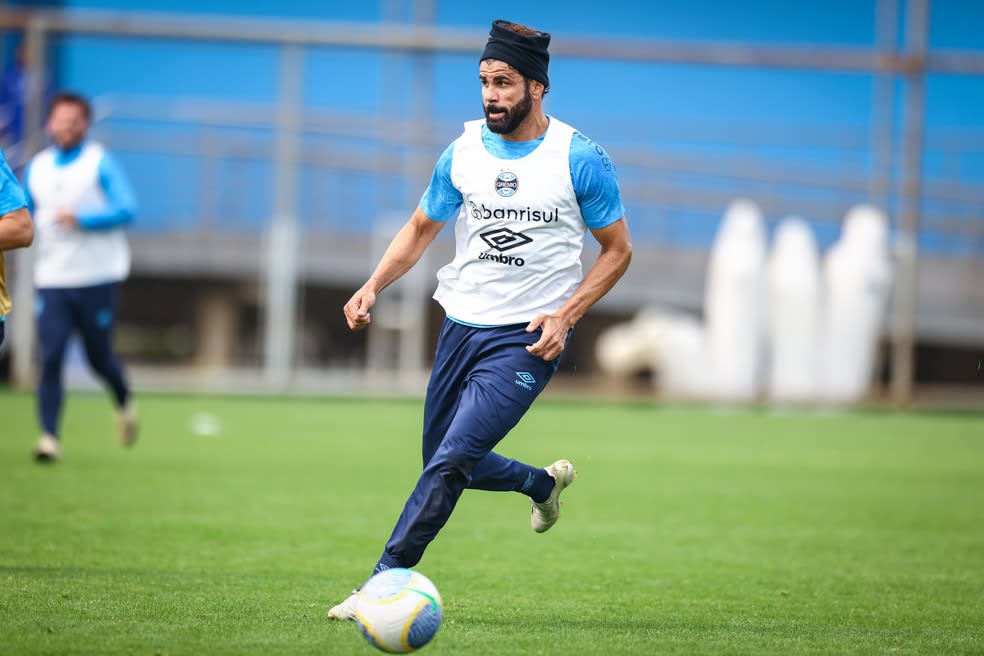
(439, 203)
(402, 253)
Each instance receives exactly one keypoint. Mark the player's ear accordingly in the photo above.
(536, 89)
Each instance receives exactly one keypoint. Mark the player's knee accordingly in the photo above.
(451, 464)
(107, 369)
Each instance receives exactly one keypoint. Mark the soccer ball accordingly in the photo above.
(399, 610)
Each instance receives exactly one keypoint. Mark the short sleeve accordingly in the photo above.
(595, 183)
(11, 194)
(441, 200)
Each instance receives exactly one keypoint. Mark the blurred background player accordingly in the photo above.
(81, 201)
(16, 230)
(524, 187)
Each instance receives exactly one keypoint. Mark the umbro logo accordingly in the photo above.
(525, 379)
(504, 239)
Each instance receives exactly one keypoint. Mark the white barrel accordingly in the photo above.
(624, 350)
(733, 295)
(793, 317)
(679, 361)
(857, 278)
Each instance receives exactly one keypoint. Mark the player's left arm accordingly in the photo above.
(599, 198)
(121, 202)
(612, 262)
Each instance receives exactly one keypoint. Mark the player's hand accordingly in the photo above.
(357, 309)
(553, 337)
(67, 219)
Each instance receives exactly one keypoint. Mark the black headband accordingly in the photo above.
(527, 54)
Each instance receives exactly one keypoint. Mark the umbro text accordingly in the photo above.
(503, 259)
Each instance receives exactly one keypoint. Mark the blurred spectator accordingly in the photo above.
(82, 201)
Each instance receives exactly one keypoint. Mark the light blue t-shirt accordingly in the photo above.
(592, 174)
(121, 201)
(11, 194)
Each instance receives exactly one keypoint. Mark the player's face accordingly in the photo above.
(506, 96)
(67, 124)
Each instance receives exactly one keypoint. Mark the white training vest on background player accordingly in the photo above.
(73, 257)
(519, 233)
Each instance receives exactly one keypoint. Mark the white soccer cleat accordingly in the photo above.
(127, 424)
(544, 515)
(346, 609)
(47, 449)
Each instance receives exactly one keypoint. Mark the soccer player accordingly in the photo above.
(525, 188)
(81, 202)
(16, 229)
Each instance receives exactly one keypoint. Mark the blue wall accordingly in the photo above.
(601, 98)
(96, 64)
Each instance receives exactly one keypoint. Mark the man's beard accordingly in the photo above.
(512, 117)
(68, 142)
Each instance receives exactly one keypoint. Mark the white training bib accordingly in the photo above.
(519, 234)
(76, 257)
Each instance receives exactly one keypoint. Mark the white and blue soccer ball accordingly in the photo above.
(399, 610)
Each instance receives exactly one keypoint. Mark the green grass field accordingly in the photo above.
(688, 532)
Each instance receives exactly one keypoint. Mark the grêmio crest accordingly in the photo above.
(506, 184)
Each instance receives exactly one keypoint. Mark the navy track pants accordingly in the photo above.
(91, 311)
(482, 383)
